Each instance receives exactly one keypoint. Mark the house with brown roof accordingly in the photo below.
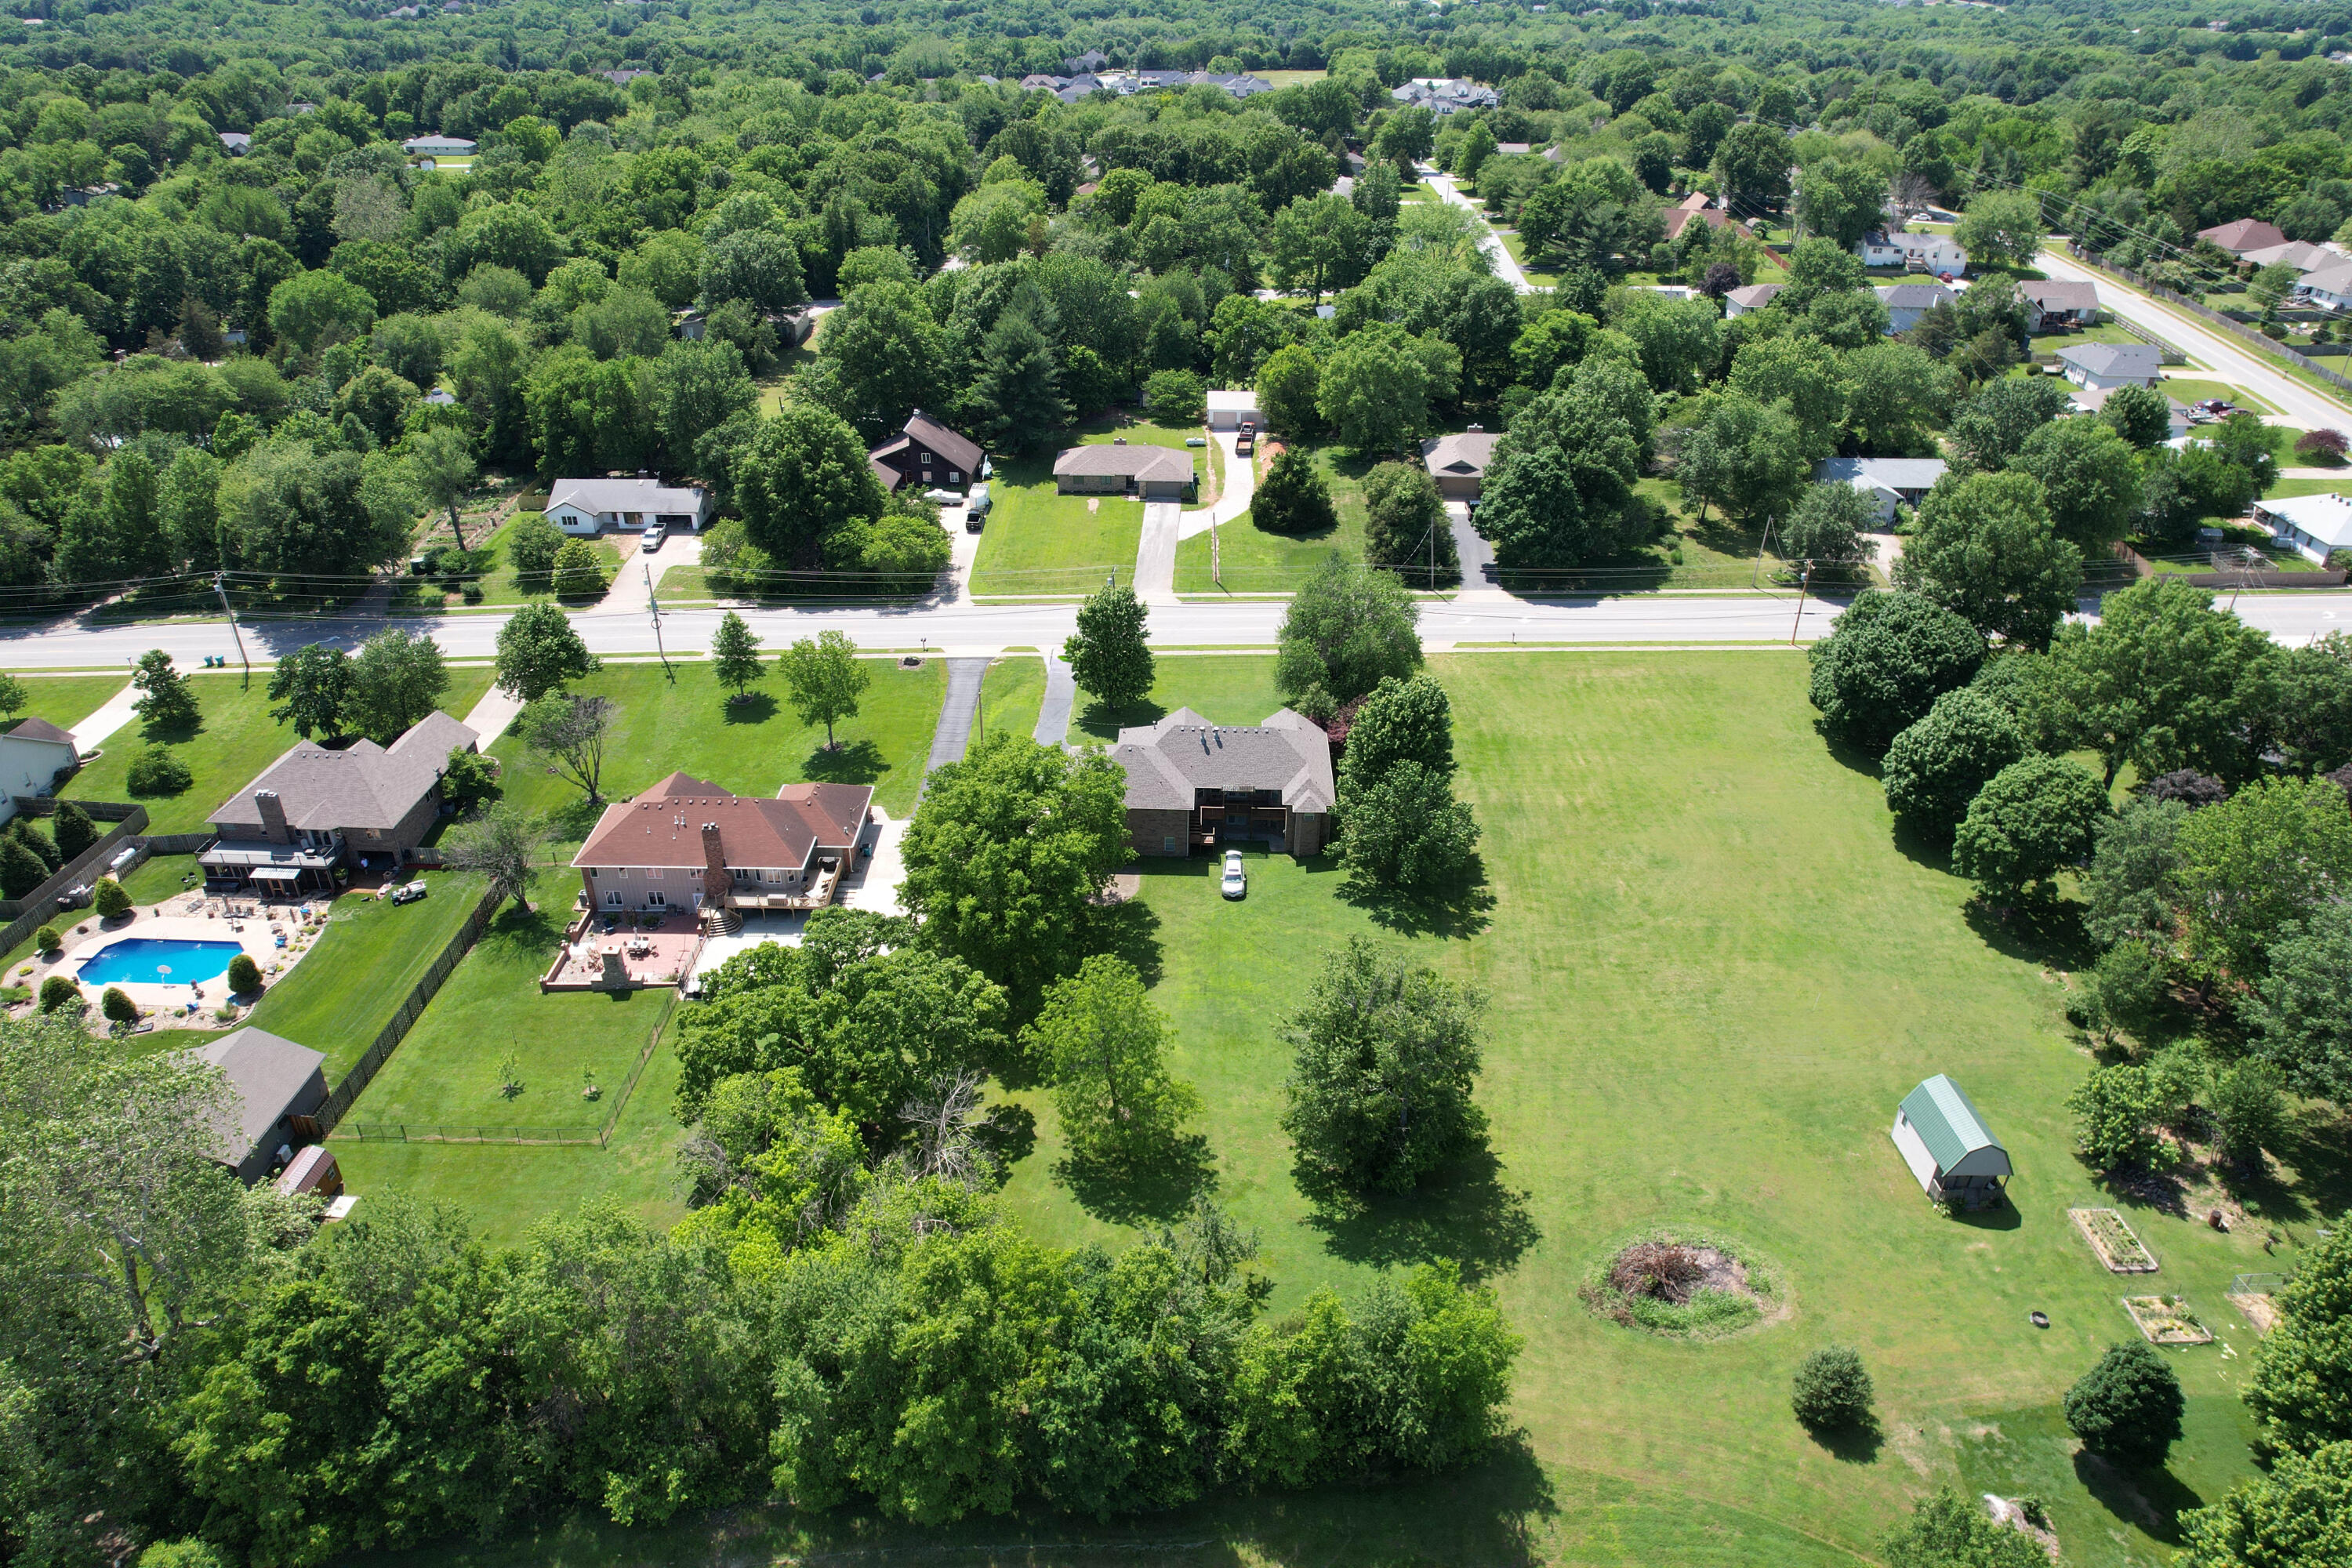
(687, 844)
(925, 453)
(1195, 786)
(1697, 205)
(1148, 473)
(2056, 305)
(317, 808)
(1459, 463)
(2246, 233)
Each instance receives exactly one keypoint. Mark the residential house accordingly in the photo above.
(2091, 400)
(1044, 81)
(1194, 785)
(2330, 286)
(926, 453)
(1445, 95)
(1699, 205)
(1952, 1155)
(1906, 302)
(1148, 473)
(236, 143)
(1749, 296)
(428, 150)
(2246, 233)
(1937, 253)
(35, 756)
(1459, 463)
(1092, 60)
(592, 506)
(1514, 149)
(2313, 526)
(2299, 254)
(440, 397)
(687, 844)
(2097, 367)
(314, 808)
(1887, 481)
(276, 1091)
(2058, 306)
(1228, 408)
(622, 78)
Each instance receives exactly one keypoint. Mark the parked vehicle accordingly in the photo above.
(976, 505)
(654, 536)
(1246, 441)
(1236, 881)
(408, 892)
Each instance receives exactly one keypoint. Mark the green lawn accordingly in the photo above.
(235, 740)
(348, 987)
(161, 877)
(2283, 488)
(446, 1072)
(498, 582)
(2195, 389)
(65, 701)
(1254, 560)
(1040, 543)
(1714, 971)
(1224, 689)
(2052, 342)
(1010, 695)
(752, 747)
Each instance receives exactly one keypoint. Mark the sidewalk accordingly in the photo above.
(112, 714)
(1061, 696)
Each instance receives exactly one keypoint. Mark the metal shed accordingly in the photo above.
(1949, 1147)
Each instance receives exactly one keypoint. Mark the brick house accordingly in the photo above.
(315, 808)
(1148, 473)
(686, 843)
(1194, 785)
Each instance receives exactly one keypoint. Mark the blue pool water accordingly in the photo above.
(158, 960)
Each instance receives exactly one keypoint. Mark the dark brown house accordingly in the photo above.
(1192, 785)
(315, 807)
(927, 455)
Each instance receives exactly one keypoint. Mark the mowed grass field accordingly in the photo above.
(65, 701)
(235, 740)
(1255, 561)
(1713, 972)
(752, 747)
(1039, 541)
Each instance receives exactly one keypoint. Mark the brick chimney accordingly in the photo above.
(273, 816)
(714, 859)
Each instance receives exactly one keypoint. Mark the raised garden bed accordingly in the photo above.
(2167, 1320)
(1684, 1283)
(2118, 1247)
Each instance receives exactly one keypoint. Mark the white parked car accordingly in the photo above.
(654, 536)
(1236, 881)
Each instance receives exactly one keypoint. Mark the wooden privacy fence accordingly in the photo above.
(388, 1039)
(29, 914)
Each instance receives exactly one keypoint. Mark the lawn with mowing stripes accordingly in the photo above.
(1713, 972)
(65, 701)
(236, 739)
(1039, 541)
(752, 747)
(1010, 695)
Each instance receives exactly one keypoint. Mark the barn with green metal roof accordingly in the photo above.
(1949, 1147)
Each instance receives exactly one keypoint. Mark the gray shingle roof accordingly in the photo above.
(626, 495)
(267, 1074)
(362, 785)
(1749, 296)
(1469, 452)
(1895, 473)
(1913, 296)
(2060, 294)
(40, 730)
(1157, 463)
(1166, 761)
(2114, 359)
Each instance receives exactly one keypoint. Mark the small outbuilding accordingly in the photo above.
(1947, 1146)
(1231, 407)
(276, 1089)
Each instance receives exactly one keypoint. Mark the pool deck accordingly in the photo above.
(173, 920)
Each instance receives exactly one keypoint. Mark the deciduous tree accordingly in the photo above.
(2031, 819)
(1347, 629)
(310, 687)
(735, 655)
(166, 702)
(397, 678)
(2128, 1406)
(826, 680)
(1109, 655)
(1936, 767)
(539, 651)
(1885, 664)
(1985, 548)
(569, 730)
(1106, 1046)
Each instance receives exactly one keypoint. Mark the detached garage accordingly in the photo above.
(1952, 1153)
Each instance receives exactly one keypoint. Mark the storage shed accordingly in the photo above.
(1947, 1146)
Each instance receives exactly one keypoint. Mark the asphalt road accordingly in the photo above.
(2229, 359)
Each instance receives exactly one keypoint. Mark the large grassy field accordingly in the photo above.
(1038, 542)
(1254, 560)
(1714, 971)
(235, 740)
(350, 985)
(752, 747)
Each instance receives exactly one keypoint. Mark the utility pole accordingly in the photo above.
(1803, 583)
(1756, 577)
(654, 604)
(220, 586)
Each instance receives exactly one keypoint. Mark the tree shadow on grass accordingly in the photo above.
(1856, 1444)
(858, 762)
(1158, 1186)
(1009, 1135)
(1923, 848)
(1464, 908)
(2153, 1499)
(2317, 1147)
(1103, 721)
(1845, 753)
(574, 820)
(2046, 931)
(752, 708)
(1127, 929)
(1462, 1212)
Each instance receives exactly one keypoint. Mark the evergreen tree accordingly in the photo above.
(1020, 386)
(1293, 499)
(735, 654)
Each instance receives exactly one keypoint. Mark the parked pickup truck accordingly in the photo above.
(1246, 441)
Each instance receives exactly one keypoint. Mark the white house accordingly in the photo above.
(2100, 367)
(437, 146)
(1749, 296)
(2312, 525)
(1445, 95)
(1228, 408)
(1887, 481)
(592, 506)
(1937, 253)
(2330, 285)
(1906, 302)
(2091, 400)
(31, 756)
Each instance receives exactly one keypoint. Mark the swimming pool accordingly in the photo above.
(158, 960)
